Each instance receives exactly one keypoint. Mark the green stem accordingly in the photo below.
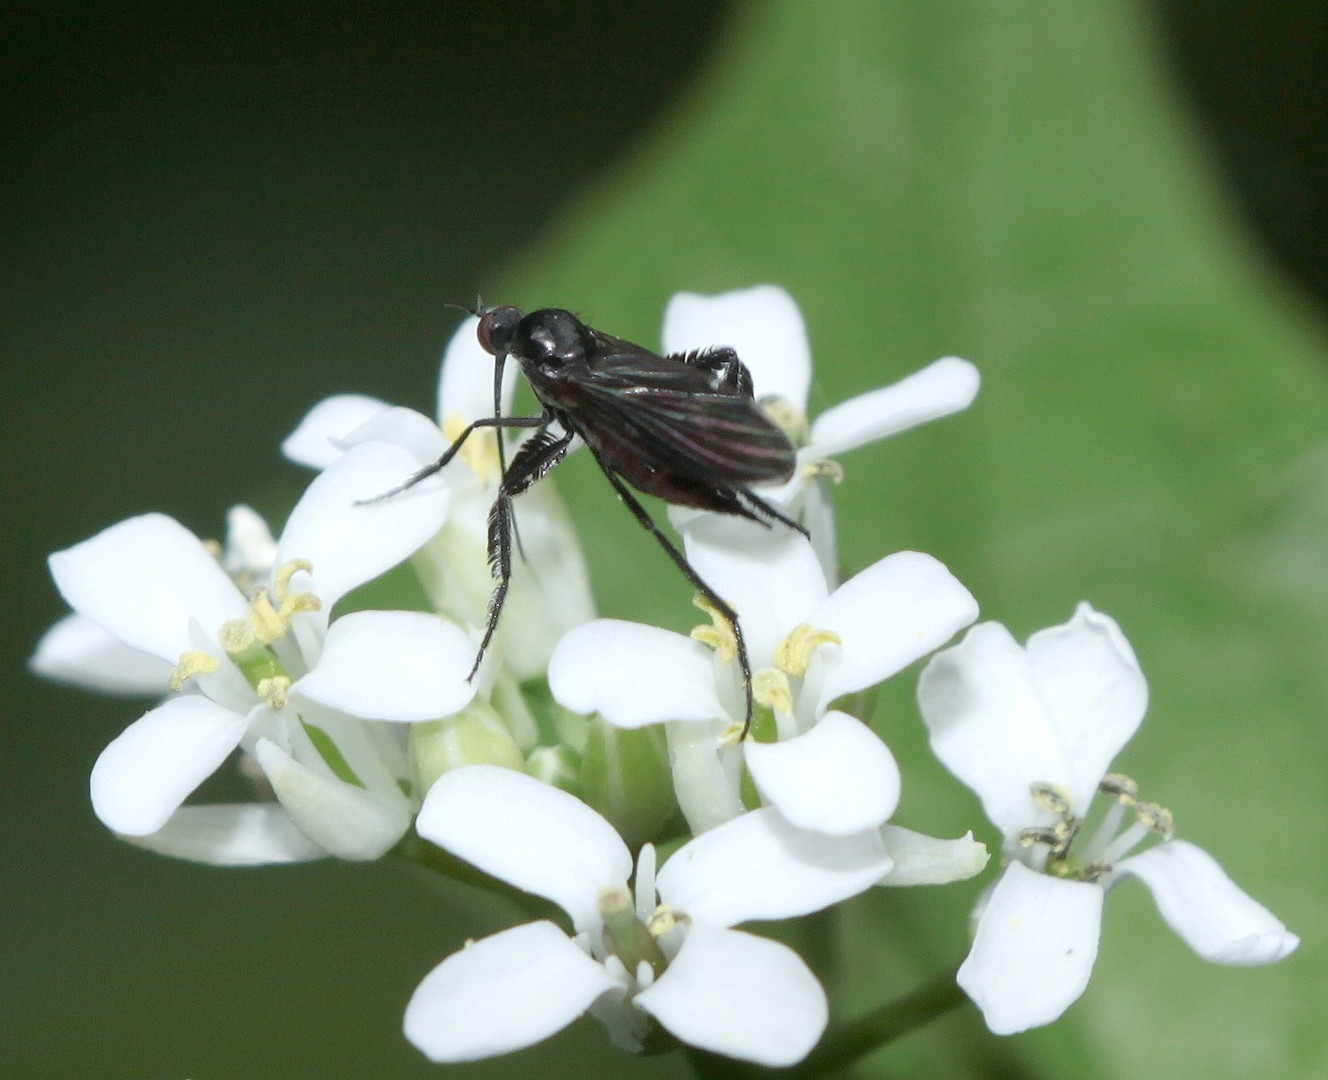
(850, 1041)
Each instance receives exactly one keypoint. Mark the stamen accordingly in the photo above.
(266, 621)
(1124, 843)
(191, 663)
(1053, 799)
(1157, 819)
(719, 635)
(827, 467)
(1119, 787)
(665, 918)
(771, 689)
(293, 603)
(794, 653)
(1105, 832)
(624, 934)
(274, 689)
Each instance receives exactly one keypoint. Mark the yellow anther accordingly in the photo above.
(1053, 799)
(282, 579)
(733, 735)
(794, 654)
(480, 450)
(1157, 818)
(236, 636)
(665, 918)
(274, 689)
(293, 602)
(791, 420)
(719, 634)
(1119, 787)
(191, 663)
(1029, 837)
(267, 623)
(213, 548)
(771, 689)
(271, 621)
(827, 467)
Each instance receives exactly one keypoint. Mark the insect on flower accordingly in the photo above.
(684, 427)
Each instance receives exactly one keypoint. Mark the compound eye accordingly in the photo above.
(497, 330)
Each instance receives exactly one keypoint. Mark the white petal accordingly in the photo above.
(1094, 693)
(77, 650)
(349, 543)
(989, 728)
(1206, 908)
(143, 579)
(503, 993)
(892, 613)
(928, 860)
(527, 833)
(147, 771)
(392, 665)
(411, 430)
(762, 323)
(375, 754)
(837, 778)
(741, 996)
(1034, 950)
(250, 547)
(465, 383)
(247, 834)
(634, 675)
(941, 388)
(707, 775)
(758, 866)
(316, 440)
(771, 577)
(346, 820)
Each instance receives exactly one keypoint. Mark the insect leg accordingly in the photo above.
(531, 462)
(451, 452)
(761, 506)
(697, 582)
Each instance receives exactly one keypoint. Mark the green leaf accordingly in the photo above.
(1016, 184)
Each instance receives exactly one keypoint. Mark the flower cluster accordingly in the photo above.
(582, 750)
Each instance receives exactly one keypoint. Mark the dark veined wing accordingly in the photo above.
(649, 413)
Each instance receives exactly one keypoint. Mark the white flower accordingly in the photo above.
(764, 326)
(630, 960)
(265, 673)
(1032, 731)
(808, 646)
(550, 591)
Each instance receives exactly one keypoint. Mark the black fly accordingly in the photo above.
(683, 427)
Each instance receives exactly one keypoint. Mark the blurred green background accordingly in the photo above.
(213, 220)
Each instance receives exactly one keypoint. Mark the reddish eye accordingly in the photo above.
(497, 329)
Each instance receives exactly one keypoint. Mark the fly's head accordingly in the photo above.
(544, 341)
